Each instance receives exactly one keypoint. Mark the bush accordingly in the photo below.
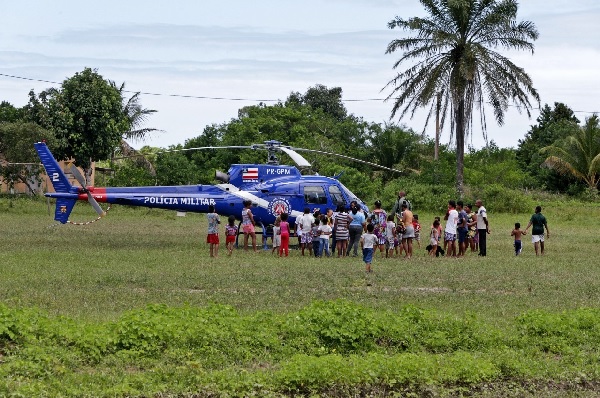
(500, 199)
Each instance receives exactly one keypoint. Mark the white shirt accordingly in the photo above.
(389, 229)
(481, 213)
(369, 240)
(325, 231)
(306, 221)
(452, 222)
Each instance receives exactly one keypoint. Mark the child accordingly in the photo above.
(417, 228)
(231, 231)
(284, 232)
(367, 242)
(434, 237)
(397, 246)
(212, 238)
(517, 234)
(316, 238)
(324, 234)
(276, 235)
(439, 220)
(400, 229)
(390, 234)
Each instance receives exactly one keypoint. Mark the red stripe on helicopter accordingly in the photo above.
(98, 193)
(250, 173)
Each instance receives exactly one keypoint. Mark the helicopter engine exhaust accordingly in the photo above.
(220, 176)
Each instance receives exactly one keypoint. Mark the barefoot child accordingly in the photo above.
(434, 237)
(231, 231)
(212, 238)
(390, 234)
(417, 228)
(517, 233)
(367, 242)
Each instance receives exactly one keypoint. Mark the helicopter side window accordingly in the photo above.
(315, 195)
(336, 196)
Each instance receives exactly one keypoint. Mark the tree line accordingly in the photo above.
(315, 119)
(453, 69)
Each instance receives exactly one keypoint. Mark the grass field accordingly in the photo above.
(137, 256)
(96, 273)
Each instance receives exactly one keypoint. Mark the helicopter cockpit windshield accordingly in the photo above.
(351, 197)
(336, 196)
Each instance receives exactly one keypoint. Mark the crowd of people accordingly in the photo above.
(391, 234)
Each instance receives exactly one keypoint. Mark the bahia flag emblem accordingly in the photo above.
(250, 174)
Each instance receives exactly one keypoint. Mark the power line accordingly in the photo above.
(154, 94)
(232, 98)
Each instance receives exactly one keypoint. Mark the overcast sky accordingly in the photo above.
(266, 49)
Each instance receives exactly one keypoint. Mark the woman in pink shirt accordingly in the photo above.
(284, 230)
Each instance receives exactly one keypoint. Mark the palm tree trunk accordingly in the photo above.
(460, 146)
(436, 152)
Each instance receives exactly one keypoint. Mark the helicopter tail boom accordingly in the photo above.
(66, 194)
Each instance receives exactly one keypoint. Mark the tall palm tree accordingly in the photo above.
(452, 51)
(136, 115)
(578, 154)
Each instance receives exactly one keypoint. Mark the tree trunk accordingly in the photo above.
(460, 146)
(436, 151)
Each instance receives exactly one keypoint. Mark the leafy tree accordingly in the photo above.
(173, 168)
(552, 124)
(36, 110)
(495, 165)
(207, 161)
(438, 172)
(454, 52)
(21, 163)
(396, 147)
(578, 154)
(297, 125)
(86, 115)
(329, 100)
(8, 113)
(129, 173)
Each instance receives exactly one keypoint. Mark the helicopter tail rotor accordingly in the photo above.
(81, 180)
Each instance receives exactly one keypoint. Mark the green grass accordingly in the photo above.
(138, 256)
(97, 274)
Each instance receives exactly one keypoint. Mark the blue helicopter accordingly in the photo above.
(272, 188)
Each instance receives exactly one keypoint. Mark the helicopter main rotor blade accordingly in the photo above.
(349, 158)
(81, 180)
(296, 157)
(189, 149)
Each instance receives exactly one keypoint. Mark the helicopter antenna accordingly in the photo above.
(349, 158)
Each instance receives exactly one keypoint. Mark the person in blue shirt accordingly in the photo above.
(356, 228)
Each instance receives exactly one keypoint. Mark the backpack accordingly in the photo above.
(403, 200)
